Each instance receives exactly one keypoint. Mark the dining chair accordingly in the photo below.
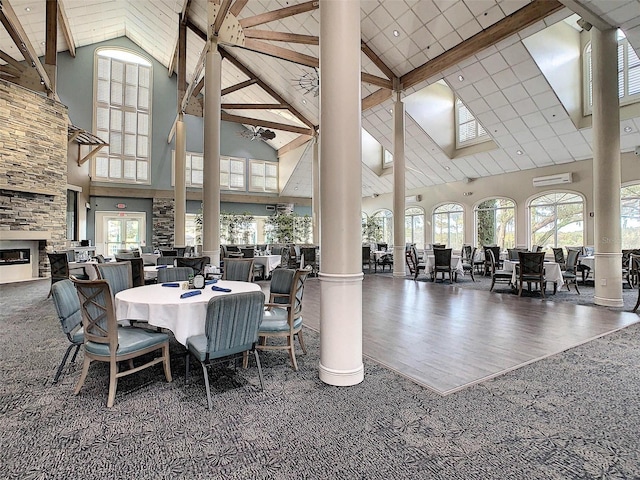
(442, 264)
(531, 270)
(170, 260)
(487, 259)
(137, 269)
(231, 331)
(419, 265)
(195, 263)
(467, 263)
(168, 253)
(59, 262)
(497, 275)
(409, 260)
(118, 274)
(106, 341)
(258, 268)
(366, 257)
(584, 270)
(558, 257)
(65, 298)
(570, 272)
(309, 256)
(283, 314)
(99, 258)
(238, 269)
(634, 268)
(175, 274)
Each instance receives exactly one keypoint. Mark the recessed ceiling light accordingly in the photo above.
(460, 77)
(447, 168)
(42, 43)
(519, 152)
(304, 101)
(396, 33)
(27, 9)
(391, 110)
(295, 188)
(627, 129)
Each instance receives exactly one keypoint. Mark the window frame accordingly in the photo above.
(384, 217)
(265, 164)
(477, 209)
(142, 115)
(478, 136)
(188, 169)
(228, 184)
(530, 205)
(636, 208)
(411, 238)
(435, 212)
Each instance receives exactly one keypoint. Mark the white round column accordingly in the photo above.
(315, 195)
(211, 169)
(180, 186)
(340, 194)
(606, 169)
(398, 188)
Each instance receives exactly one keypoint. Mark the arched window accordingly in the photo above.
(557, 220)
(630, 216)
(496, 223)
(448, 225)
(384, 218)
(628, 74)
(414, 226)
(122, 116)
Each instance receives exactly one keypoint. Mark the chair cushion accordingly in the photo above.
(197, 345)
(275, 320)
(78, 336)
(129, 340)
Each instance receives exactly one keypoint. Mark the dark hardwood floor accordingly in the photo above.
(446, 338)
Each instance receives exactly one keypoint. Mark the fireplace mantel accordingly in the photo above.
(24, 235)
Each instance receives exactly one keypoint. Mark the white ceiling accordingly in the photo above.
(503, 87)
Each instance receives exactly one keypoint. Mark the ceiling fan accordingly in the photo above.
(258, 133)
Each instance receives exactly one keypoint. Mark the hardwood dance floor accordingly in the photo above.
(447, 338)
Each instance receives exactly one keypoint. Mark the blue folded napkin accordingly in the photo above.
(190, 293)
(171, 284)
(211, 282)
(215, 288)
(161, 266)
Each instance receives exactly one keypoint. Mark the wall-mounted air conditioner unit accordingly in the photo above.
(284, 207)
(553, 179)
(413, 199)
(270, 208)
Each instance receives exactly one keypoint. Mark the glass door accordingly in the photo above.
(119, 231)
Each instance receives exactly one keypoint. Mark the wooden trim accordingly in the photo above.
(254, 106)
(293, 144)
(377, 81)
(238, 86)
(88, 155)
(21, 67)
(51, 34)
(520, 19)
(240, 66)
(172, 131)
(184, 14)
(182, 60)
(9, 71)
(195, 29)
(278, 14)
(281, 53)
(237, 7)
(281, 37)
(222, 13)
(194, 78)
(377, 61)
(376, 98)
(198, 88)
(63, 22)
(19, 36)
(264, 123)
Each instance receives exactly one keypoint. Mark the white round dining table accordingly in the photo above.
(162, 306)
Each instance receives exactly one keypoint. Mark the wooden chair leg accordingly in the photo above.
(292, 353)
(113, 383)
(301, 341)
(166, 362)
(83, 375)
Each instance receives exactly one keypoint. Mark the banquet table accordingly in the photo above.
(162, 306)
(456, 263)
(589, 261)
(151, 271)
(552, 273)
(270, 262)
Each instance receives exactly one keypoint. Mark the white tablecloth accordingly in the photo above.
(590, 262)
(162, 306)
(456, 263)
(150, 257)
(269, 261)
(84, 267)
(552, 272)
(151, 271)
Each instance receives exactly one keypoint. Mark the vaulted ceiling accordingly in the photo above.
(477, 46)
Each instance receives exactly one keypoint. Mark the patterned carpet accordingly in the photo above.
(571, 416)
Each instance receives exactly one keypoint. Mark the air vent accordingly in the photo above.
(558, 179)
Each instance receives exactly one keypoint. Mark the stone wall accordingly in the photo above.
(33, 166)
(163, 222)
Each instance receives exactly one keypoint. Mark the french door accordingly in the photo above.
(119, 230)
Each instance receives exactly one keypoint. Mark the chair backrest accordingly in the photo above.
(275, 249)
(411, 258)
(98, 316)
(309, 255)
(366, 254)
(490, 258)
(232, 323)
(170, 260)
(438, 245)
(558, 255)
(442, 257)
(572, 261)
(285, 257)
(466, 253)
(382, 246)
(59, 265)
(248, 252)
(196, 263)
(531, 263)
(99, 258)
(146, 249)
(179, 251)
(65, 298)
(124, 255)
(297, 289)
(137, 269)
(494, 250)
(580, 249)
(169, 253)
(118, 274)
(280, 288)
(513, 253)
(176, 274)
(238, 269)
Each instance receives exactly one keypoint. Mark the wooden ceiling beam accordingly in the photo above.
(520, 19)
(376, 98)
(254, 106)
(63, 22)
(238, 86)
(377, 61)
(293, 144)
(194, 78)
(9, 71)
(12, 61)
(51, 41)
(240, 66)
(184, 14)
(281, 53)
(222, 13)
(11, 23)
(278, 14)
(227, 117)
(198, 88)
(196, 29)
(237, 7)
(377, 81)
(281, 37)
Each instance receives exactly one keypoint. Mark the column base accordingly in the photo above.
(608, 302)
(341, 378)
